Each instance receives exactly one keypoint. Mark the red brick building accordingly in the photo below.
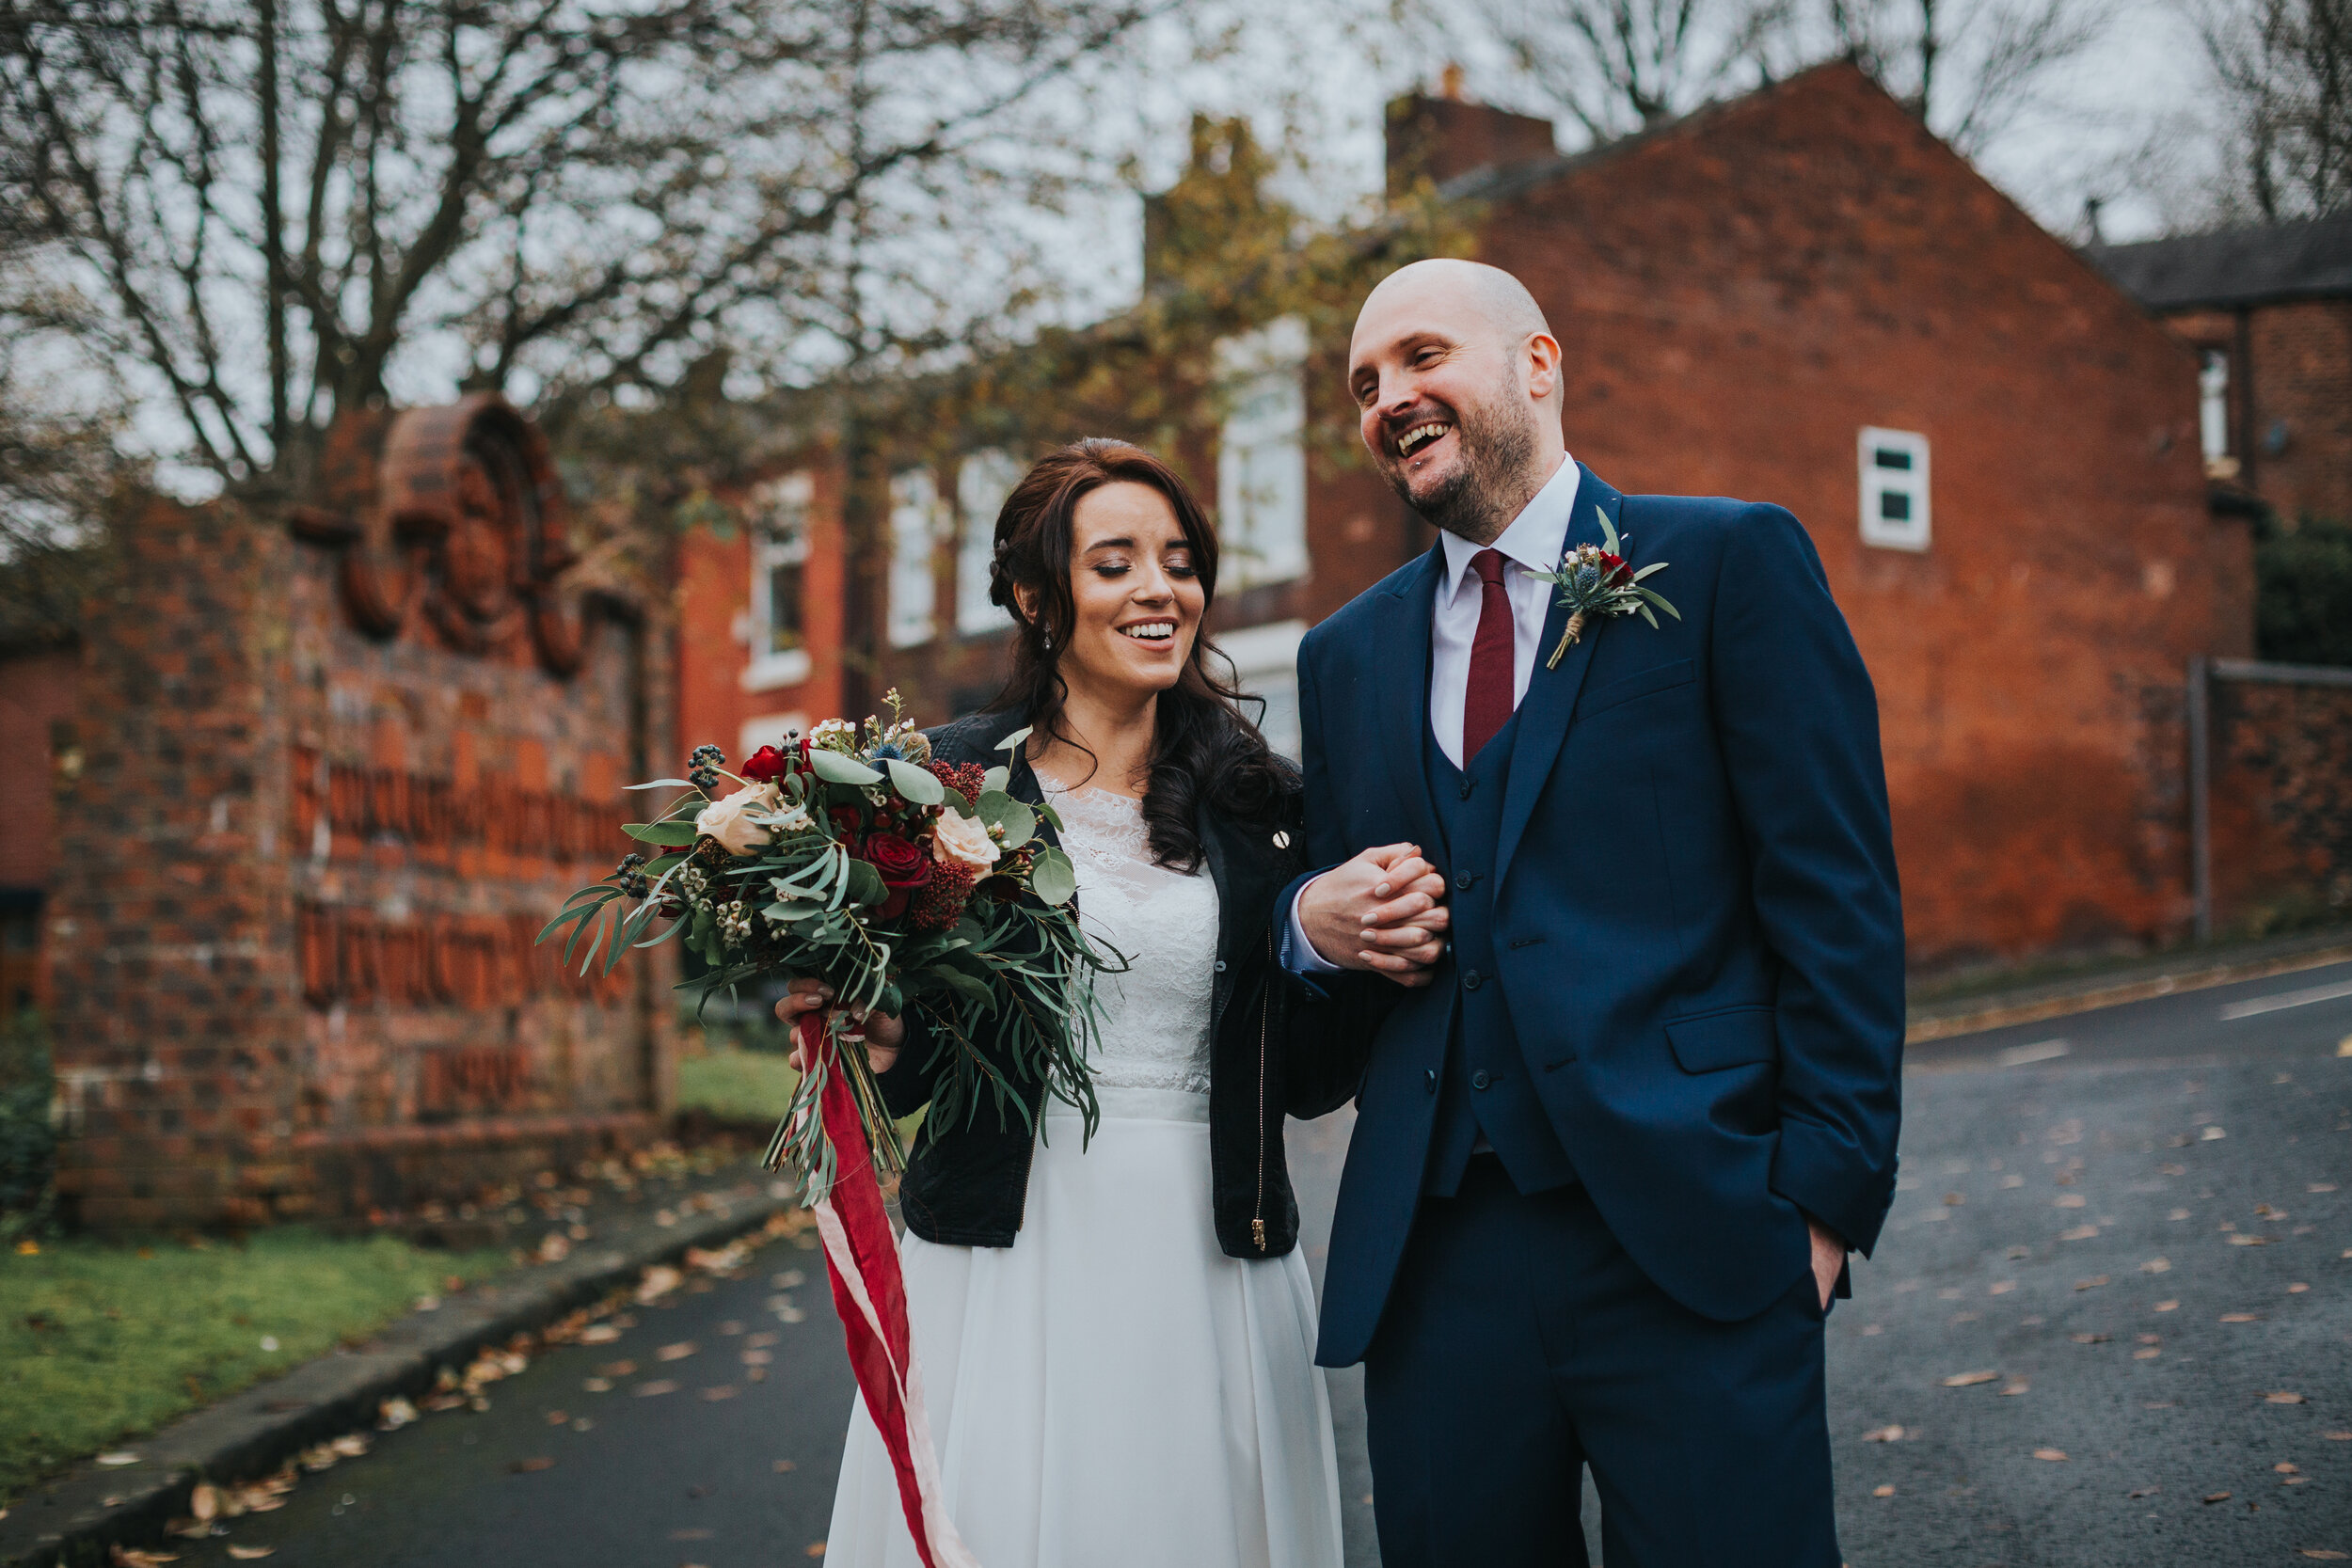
(1801, 297)
(2268, 311)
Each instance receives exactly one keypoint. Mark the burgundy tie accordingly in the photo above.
(1487, 702)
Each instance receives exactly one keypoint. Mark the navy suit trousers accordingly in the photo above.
(1521, 1343)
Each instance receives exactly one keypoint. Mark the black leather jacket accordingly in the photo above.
(1268, 1055)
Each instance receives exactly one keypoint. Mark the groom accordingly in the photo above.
(1639, 1094)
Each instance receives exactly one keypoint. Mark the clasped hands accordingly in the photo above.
(1382, 913)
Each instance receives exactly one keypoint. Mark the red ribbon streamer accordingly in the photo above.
(869, 1293)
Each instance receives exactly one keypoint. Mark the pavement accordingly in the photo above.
(2110, 1322)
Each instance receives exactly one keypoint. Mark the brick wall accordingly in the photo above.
(296, 881)
(2281, 804)
(1737, 297)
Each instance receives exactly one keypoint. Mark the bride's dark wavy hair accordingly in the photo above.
(1204, 749)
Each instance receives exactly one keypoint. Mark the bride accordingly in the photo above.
(1116, 1336)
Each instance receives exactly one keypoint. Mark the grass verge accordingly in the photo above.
(102, 1342)
(735, 1086)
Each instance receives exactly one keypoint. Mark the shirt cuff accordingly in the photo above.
(1300, 956)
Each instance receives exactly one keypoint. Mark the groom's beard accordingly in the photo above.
(1488, 484)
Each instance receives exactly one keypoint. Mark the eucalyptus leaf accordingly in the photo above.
(664, 784)
(1000, 810)
(1013, 743)
(914, 783)
(833, 767)
(999, 778)
(1607, 532)
(866, 884)
(677, 834)
(1052, 877)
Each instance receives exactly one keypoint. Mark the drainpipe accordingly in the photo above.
(2242, 367)
(2201, 794)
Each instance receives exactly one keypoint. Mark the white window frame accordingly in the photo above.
(1910, 533)
(1261, 455)
(1266, 665)
(778, 523)
(2213, 404)
(920, 521)
(982, 482)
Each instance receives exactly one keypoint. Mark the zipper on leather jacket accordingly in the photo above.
(1265, 1005)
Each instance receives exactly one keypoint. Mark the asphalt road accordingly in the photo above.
(2143, 1235)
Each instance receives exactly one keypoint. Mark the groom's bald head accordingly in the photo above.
(1509, 309)
(1456, 376)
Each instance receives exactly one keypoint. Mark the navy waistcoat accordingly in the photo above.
(1485, 1087)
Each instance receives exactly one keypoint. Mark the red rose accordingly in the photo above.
(763, 765)
(903, 865)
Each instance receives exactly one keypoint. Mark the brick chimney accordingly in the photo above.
(1438, 138)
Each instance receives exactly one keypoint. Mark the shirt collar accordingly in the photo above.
(1535, 537)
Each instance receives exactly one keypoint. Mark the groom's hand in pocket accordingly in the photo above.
(1829, 1258)
(1382, 913)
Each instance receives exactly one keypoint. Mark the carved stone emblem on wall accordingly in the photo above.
(452, 519)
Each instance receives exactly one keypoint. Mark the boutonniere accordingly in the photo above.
(1596, 580)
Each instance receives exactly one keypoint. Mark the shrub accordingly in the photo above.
(2303, 590)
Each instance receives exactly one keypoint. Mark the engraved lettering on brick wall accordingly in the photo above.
(473, 962)
(434, 814)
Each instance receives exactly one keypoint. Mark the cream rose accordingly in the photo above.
(728, 820)
(964, 839)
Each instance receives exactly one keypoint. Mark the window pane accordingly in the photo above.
(1261, 455)
(915, 518)
(1888, 457)
(783, 607)
(982, 483)
(1895, 506)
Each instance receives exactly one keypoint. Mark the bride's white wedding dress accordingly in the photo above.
(1113, 1389)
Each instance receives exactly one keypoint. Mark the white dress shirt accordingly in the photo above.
(1535, 539)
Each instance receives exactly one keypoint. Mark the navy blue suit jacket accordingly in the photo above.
(1697, 919)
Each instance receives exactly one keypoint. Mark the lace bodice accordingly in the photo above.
(1155, 1027)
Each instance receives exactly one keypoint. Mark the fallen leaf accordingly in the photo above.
(2143, 1491)
(1883, 1434)
(2245, 1239)
(596, 1385)
(724, 1391)
(658, 1385)
(2056, 1456)
(2012, 1389)
(2241, 1316)
(598, 1334)
(784, 1466)
(2217, 1496)
(533, 1466)
(2282, 1396)
(250, 1554)
(617, 1368)
(2324, 1554)
(2177, 1214)
(2090, 1284)
(1953, 1201)
(2002, 1287)
(2080, 1234)
(693, 1533)
(759, 1357)
(127, 1557)
(2167, 1307)
(1881, 1490)
(2156, 1265)
(2212, 1135)
(2285, 1468)
(678, 1351)
(113, 1461)
(1968, 1380)
(762, 1340)
(2338, 1436)
(2298, 1288)
(2069, 1201)
(816, 1548)
(2091, 1339)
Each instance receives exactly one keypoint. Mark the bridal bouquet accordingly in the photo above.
(901, 882)
(904, 883)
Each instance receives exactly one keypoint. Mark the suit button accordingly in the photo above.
(1471, 979)
(1433, 1080)
(1466, 787)
(1220, 966)
(1464, 879)
(1479, 1079)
